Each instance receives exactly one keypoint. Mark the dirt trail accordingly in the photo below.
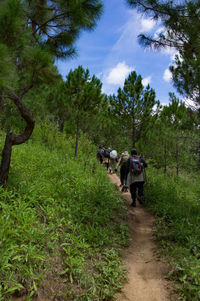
(146, 272)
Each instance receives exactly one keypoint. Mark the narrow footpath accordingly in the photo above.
(146, 271)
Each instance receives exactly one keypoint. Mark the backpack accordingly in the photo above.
(100, 152)
(113, 154)
(106, 152)
(124, 159)
(136, 165)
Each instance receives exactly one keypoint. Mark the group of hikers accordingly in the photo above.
(132, 170)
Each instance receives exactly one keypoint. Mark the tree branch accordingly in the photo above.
(25, 114)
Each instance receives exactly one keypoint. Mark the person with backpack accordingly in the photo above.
(106, 157)
(122, 164)
(100, 152)
(113, 161)
(135, 176)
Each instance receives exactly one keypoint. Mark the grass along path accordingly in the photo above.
(146, 271)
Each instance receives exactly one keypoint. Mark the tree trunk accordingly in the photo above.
(198, 146)
(177, 160)
(1, 102)
(198, 154)
(133, 134)
(198, 161)
(77, 136)
(12, 139)
(5, 161)
(60, 124)
(165, 158)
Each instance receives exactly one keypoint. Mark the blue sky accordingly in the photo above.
(111, 51)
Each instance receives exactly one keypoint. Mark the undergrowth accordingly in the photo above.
(62, 223)
(176, 203)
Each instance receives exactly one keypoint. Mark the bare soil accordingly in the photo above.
(146, 271)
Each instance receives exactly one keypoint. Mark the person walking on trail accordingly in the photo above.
(135, 176)
(122, 164)
(100, 151)
(113, 161)
(106, 157)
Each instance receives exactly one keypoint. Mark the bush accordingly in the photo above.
(176, 202)
(61, 220)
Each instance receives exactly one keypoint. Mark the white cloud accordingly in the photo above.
(169, 51)
(99, 75)
(147, 25)
(176, 53)
(118, 74)
(146, 81)
(167, 76)
(128, 34)
(158, 31)
(191, 104)
(166, 50)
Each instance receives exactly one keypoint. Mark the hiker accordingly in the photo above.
(106, 157)
(113, 161)
(122, 164)
(135, 176)
(100, 151)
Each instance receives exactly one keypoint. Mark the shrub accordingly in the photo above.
(61, 219)
(176, 202)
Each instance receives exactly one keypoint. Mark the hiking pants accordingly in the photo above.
(106, 165)
(123, 174)
(113, 165)
(133, 189)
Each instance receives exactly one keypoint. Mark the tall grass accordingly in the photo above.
(176, 202)
(62, 222)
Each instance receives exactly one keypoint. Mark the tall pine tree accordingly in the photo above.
(134, 106)
(33, 32)
(181, 30)
(84, 96)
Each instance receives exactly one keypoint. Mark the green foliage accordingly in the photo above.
(181, 21)
(133, 106)
(5, 67)
(83, 95)
(176, 203)
(67, 18)
(61, 219)
(32, 34)
(172, 142)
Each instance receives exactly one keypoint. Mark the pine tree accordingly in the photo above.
(172, 141)
(134, 106)
(32, 33)
(181, 31)
(84, 96)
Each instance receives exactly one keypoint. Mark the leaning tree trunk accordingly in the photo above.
(12, 139)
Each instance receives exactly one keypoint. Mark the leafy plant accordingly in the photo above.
(175, 201)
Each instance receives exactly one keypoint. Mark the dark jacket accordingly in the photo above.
(100, 154)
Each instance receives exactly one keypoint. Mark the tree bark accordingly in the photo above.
(12, 139)
(60, 124)
(133, 133)
(198, 161)
(177, 160)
